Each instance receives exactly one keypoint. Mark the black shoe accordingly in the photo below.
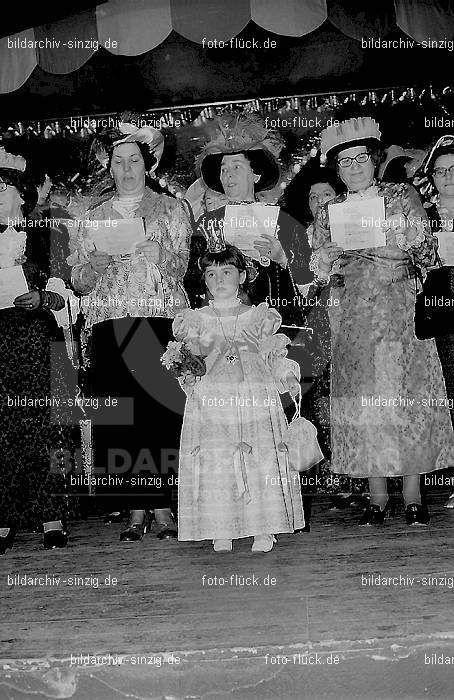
(166, 531)
(166, 527)
(6, 541)
(416, 514)
(373, 515)
(55, 539)
(306, 528)
(135, 531)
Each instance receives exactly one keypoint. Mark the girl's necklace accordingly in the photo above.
(231, 356)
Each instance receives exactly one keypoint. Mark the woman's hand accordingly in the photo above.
(215, 200)
(29, 301)
(293, 385)
(268, 246)
(99, 261)
(328, 254)
(152, 250)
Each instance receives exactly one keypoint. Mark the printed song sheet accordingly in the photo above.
(446, 246)
(245, 223)
(358, 223)
(12, 285)
(116, 236)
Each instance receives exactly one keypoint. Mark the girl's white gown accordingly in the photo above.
(234, 476)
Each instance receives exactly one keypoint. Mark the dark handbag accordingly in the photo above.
(434, 306)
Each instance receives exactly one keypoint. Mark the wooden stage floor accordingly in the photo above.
(307, 622)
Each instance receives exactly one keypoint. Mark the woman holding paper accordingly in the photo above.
(439, 170)
(239, 162)
(34, 444)
(381, 425)
(130, 296)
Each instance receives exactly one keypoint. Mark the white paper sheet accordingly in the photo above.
(12, 285)
(446, 246)
(116, 236)
(358, 223)
(245, 223)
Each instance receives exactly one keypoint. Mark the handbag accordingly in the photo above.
(434, 305)
(302, 444)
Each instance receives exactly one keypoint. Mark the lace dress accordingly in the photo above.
(382, 377)
(234, 476)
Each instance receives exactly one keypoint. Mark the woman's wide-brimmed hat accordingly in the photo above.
(392, 152)
(445, 144)
(349, 133)
(127, 132)
(241, 133)
(13, 172)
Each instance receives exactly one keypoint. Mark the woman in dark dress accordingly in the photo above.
(312, 187)
(36, 435)
(129, 302)
(439, 170)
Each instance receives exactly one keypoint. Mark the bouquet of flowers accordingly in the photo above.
(182, 363)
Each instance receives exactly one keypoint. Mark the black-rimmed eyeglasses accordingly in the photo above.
(442, 172)
(347, 161)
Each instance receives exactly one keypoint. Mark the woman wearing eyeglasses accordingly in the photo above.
(439, 170)
(381, 423)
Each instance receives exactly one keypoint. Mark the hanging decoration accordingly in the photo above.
(299, 118)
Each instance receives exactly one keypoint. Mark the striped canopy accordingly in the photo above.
(164, 46)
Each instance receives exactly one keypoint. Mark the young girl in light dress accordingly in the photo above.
(234, 475)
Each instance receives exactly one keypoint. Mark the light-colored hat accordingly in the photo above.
(8, 160)
(106, 141)
(352, 132)
(153, 138)
(12, 172)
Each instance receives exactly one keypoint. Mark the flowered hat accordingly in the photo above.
(235, 134)
(352, 132)
(128, 132)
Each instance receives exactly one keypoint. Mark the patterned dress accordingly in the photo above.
(38, 434)
(234, 476)
(382, 423)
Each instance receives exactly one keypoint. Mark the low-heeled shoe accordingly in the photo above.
(373, 515)
(416, 514)
(135, 531)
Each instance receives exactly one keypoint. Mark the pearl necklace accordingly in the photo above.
(231, 355)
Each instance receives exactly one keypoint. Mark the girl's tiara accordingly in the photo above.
(214, 234)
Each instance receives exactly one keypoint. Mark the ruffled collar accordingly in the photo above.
(126, 206)
(368, 193)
